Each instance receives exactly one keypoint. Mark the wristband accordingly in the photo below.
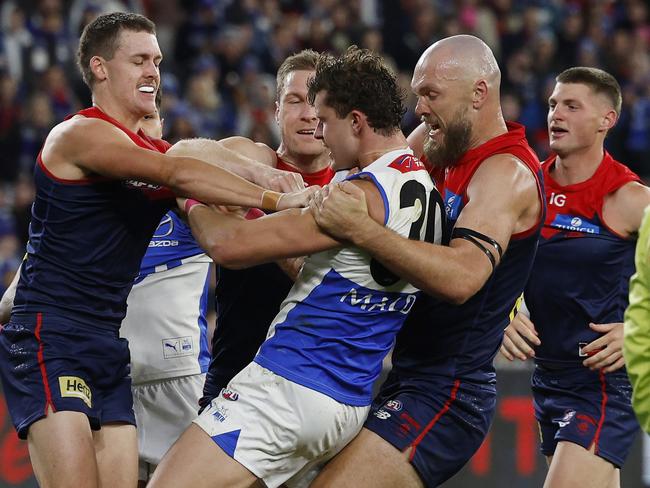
(270, 199)
(254, 213)
(191, 203)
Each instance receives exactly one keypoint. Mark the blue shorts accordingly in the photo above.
(443, 420)
(587, 408)
(52, 361)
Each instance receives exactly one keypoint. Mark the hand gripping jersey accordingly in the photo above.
(582, 270)
(342, 314)
(458, 340)
(166, 321)
(241, 328)
(86, 240)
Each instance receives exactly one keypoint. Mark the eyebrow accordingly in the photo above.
(146, 56)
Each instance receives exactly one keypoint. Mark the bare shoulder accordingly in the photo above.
(503, 185)
(623, 209)
(78, 128)
(72, 137)
(503, 172)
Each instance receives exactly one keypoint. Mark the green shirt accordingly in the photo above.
(636, 347)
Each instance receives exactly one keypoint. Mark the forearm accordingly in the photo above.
(217, 154)
(212, 184)
(236, 243)
(440, 271)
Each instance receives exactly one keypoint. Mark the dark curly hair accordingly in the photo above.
(359, 80)
(100, 37)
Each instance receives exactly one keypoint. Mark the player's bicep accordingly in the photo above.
(489, 219)
(102, 148)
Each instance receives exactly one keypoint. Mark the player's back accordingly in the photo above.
(86, 240)
(461, 341)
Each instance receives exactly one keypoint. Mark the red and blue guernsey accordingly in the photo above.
(460, 340)
(61, 350)
(86, 240)
(583, 268)
(438, 401)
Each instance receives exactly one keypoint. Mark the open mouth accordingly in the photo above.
(147, 89)
(558, 131)
(306, 132)
(434, 128)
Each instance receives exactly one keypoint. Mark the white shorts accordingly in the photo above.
(163, 410)
(278, 429)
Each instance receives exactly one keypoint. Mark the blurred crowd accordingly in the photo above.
(218, 75)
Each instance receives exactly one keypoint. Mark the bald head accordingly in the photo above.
(461, 58)
(456, 82)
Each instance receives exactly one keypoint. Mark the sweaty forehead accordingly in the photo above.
(133, 43)
(296, 82)
(435, 73)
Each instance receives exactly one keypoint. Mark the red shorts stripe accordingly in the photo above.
(452, 397)
(603, 404)
(41, 363)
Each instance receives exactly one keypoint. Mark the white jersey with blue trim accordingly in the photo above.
(166, 321)
(341, 316)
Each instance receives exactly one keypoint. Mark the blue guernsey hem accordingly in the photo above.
(352, 400)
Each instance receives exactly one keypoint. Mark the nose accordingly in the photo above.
(555, 113)
(318, 133)
(151, 70)
(308, 112)
(421, 108)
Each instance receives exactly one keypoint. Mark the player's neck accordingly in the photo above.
(117, 112)
(376, 147)
(578, 166)
(305, 164)
(488, 128)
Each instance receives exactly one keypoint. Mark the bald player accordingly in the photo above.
(434, 410)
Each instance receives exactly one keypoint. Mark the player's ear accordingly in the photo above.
(609, 120)
(358, 120)
(479, 94)
(98, 68)
(277, 112)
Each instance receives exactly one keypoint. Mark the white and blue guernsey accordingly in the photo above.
(341, 316)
